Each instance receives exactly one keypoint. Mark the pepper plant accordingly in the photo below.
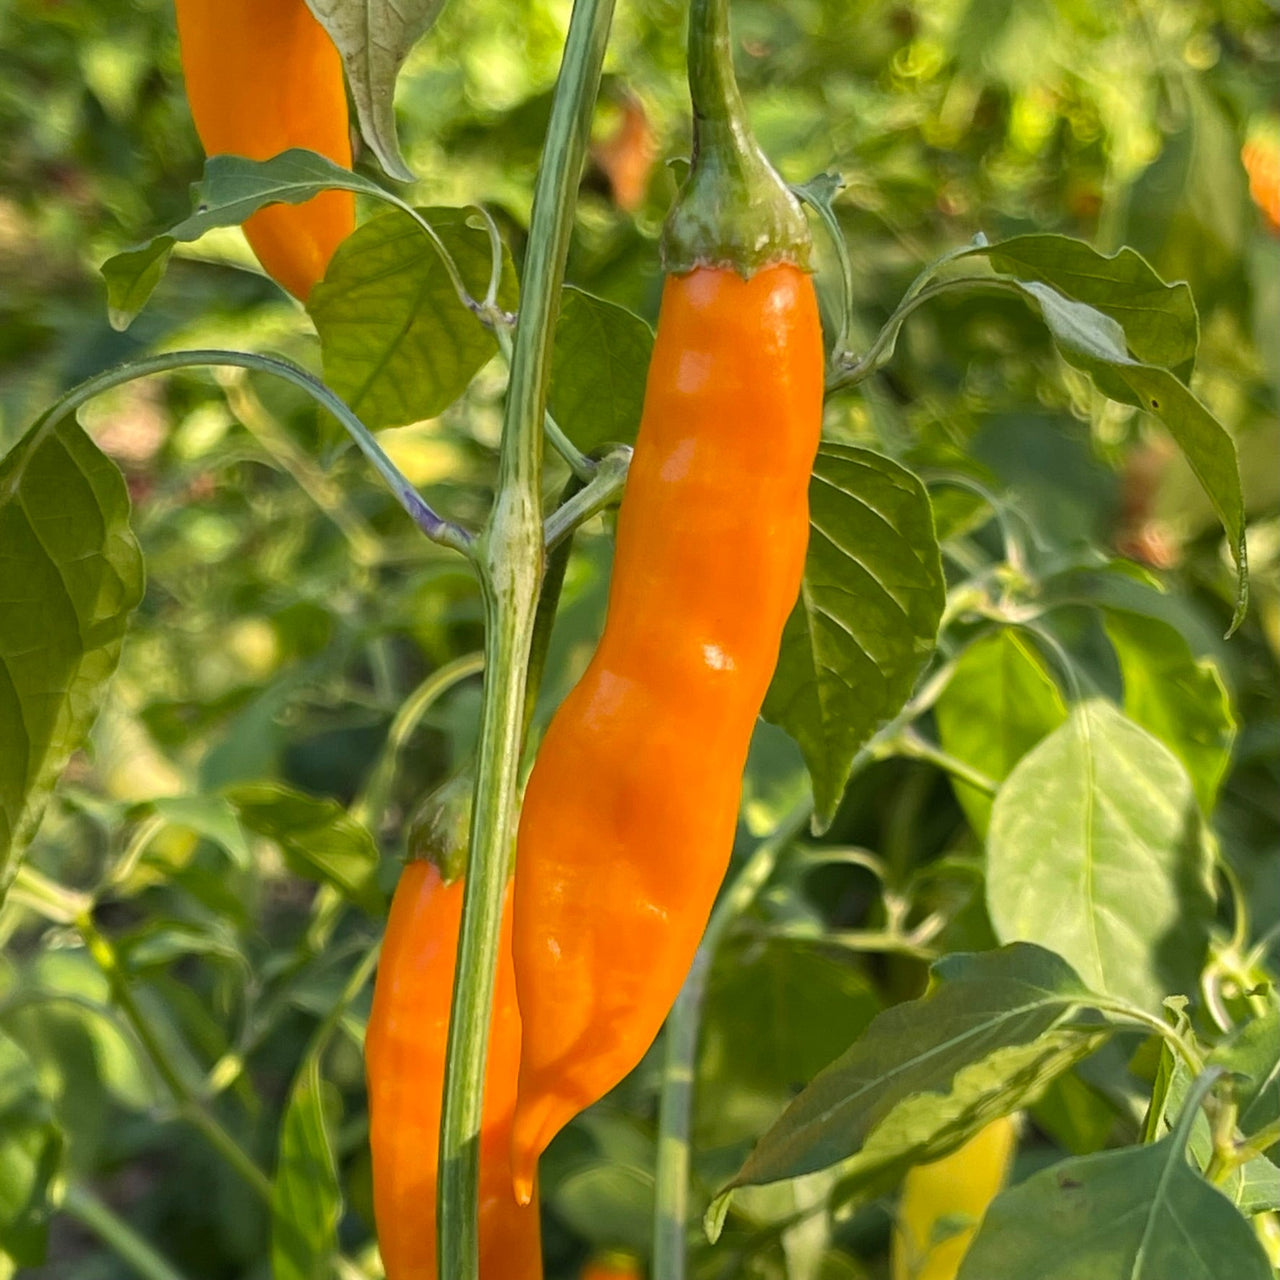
(1003, 874)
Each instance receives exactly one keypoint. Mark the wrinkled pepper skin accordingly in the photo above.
(263, 76)
(405, 1058)
(630, 810)
(960, 1185)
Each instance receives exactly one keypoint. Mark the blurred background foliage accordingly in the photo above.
(291, 608)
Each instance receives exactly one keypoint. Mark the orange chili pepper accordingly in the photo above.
(631, 807)
(405, 1057)
(1261, 159)
(263, 76)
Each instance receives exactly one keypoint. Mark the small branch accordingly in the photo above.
(601, 491)
(117, 1234)
(189, 1106)
(910, 744)
(436, 528)
(369, 807)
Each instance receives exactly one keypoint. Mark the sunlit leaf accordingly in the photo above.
(928, 1073)
(999, 702)
(1097, 849)
(70, 576)
(374, 37)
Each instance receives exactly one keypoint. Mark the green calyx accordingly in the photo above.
(733, 210)
(441, 826)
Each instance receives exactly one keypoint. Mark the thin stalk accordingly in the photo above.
(671, 1203)
(117, 1234)
(436, 528)
(368, 809)
(911, 745)
(585, 501)
(189, 1106)
(509, 555)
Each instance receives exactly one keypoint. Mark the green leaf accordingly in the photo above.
(231, 189)
(867, 617)
(319, 838)
(306, 1201)
(374, 38)
(598, 370)
(1159, 320)
(131, 278)
(398, 343)
(1175, 696)
(999, 702)
(1137, 1214)
(30, 1159)
(1117, 320)
(928, 1073)
(1254, 1053)
(1097, 849)
(776, 1014)
(70, 576)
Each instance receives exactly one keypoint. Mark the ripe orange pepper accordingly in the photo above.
(1261, 159)
(404, 1058)
(263, 76)
(630, 810)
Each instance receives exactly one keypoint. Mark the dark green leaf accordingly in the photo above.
(926, 1074)
(319, 838)
(999, 702)
(374, 38)
(1097, 849)
(398, 344)
(776, 1015)
(71, 576)
(305, 1198)
(1175, 696)
(867, 616)
(1137, 1214)
(598, 370)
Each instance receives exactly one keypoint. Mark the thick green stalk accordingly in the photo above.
(509, 554)
(675, 1108)
(734, 210)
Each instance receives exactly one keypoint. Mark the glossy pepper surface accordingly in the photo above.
(958, 1187)
(404, 1059)
(630, 810)
(263, 76)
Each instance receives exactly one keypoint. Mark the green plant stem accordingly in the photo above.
(117, 1234)
(585, 501)
(509, 555)
(368, 809)
(914, 747)
(1186, 1050)
(671, 1202)
(436, 528)
(578, 462)
(189, 1106)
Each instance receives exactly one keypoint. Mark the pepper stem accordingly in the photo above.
(733, 210)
